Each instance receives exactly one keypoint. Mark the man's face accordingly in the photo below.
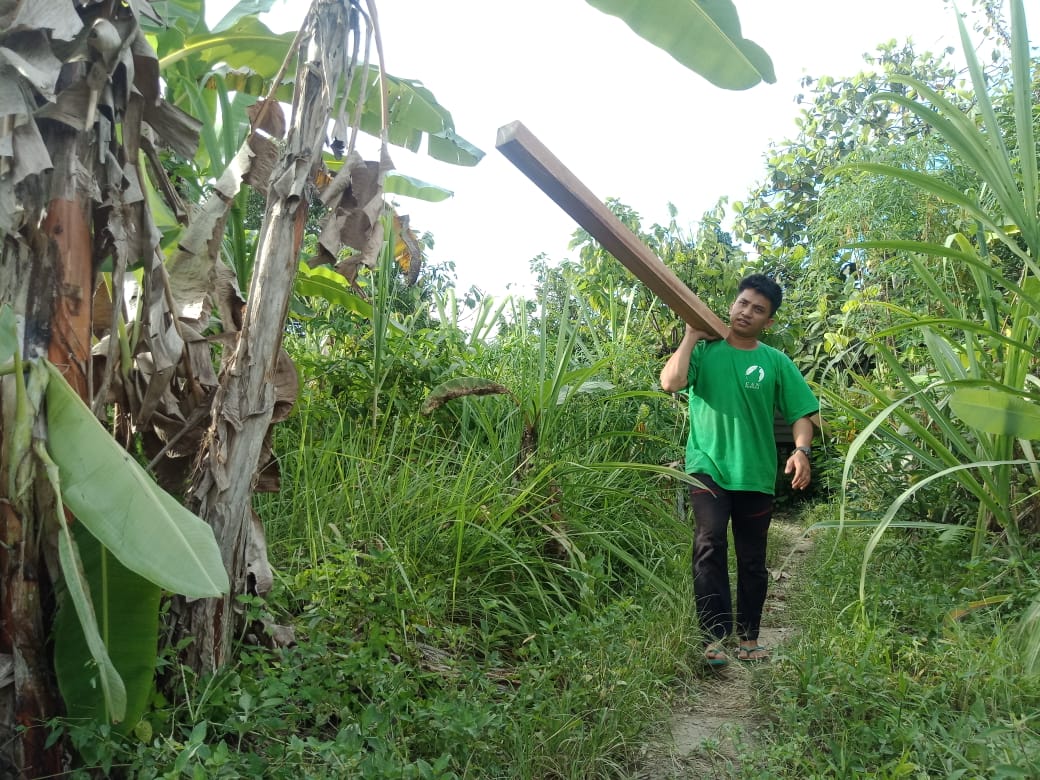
(749, 315)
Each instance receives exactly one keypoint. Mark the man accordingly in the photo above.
(734, 386)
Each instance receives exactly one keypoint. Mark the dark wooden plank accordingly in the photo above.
(534, 160)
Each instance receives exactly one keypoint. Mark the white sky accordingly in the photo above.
(622, 115)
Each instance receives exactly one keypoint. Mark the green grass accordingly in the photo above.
(440, 634)
(414, 660)
(904, 685)
(370, 692)
(458, 616)
(454, 618)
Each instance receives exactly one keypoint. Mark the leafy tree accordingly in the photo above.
(800, 220)
(710, 264)
(839, 120)
(89, 167)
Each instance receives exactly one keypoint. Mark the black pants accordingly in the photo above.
(751, 513)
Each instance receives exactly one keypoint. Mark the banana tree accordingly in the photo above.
(85, 123)
(80, 91)
(703, 35)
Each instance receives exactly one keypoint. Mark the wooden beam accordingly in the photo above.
(534, 160)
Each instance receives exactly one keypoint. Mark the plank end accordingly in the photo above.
(508, 133)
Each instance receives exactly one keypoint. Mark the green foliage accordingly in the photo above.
(8, 338)
(840, 121)
(154, 540)
(119, 503)
(996, 411)
(128, 622)
(457, 476)
(134, 538)
(927, 687)
(501, 589)
(241, 46)
(704, 37)
(322, 282)
(379, 685)
(218, 75)
(983, 340)
(801, 219)
(614, 305)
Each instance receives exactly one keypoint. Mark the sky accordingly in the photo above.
(624, 117)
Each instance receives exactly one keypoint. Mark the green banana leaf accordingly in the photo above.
(323, 282)
(399, 184)
(126, 607)
(243, 43)
(241, 9)
(997, 411)
(109, 685)
(415, 113)
(248, 44)
(109, 689)
(120, 504)
(703, 35)
(181, 16)
(448, 146)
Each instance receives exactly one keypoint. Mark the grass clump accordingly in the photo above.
(922, 680)
(371, 692)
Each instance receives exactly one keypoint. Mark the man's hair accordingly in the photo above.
(764, 285)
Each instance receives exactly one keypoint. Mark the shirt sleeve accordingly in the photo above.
(695, 364)
(796, 397)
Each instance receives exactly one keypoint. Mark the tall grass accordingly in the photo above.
(541, 606)
(919, 687)
(449, 507)
(968, 414)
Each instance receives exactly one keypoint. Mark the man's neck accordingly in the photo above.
(741, 342)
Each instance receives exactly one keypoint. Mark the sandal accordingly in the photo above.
(752, 653)
(715, 656)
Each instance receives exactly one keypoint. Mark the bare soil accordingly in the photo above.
(710, 731)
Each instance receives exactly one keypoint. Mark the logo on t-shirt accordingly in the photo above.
(753, 377)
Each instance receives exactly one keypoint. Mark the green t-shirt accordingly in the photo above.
(733, 394)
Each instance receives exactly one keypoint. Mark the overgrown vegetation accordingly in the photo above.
(924, 679)
(479, 547)
(456, 616)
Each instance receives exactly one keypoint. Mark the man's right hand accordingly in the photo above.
(673, 375)
(695, 334)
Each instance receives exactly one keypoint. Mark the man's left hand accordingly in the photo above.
(798, 464)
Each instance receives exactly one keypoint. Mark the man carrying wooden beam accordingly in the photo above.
(735, 383)
(734, 386)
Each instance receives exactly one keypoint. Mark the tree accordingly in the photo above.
(80, 87)
(975, 383)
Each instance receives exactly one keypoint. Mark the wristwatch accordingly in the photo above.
(806, 450)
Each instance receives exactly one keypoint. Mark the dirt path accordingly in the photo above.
(706, 736)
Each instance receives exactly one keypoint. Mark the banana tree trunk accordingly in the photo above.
(46, 276)
(69, 187)
(244, 404)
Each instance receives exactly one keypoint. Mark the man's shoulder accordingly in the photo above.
(780, 355)
(772, 350)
